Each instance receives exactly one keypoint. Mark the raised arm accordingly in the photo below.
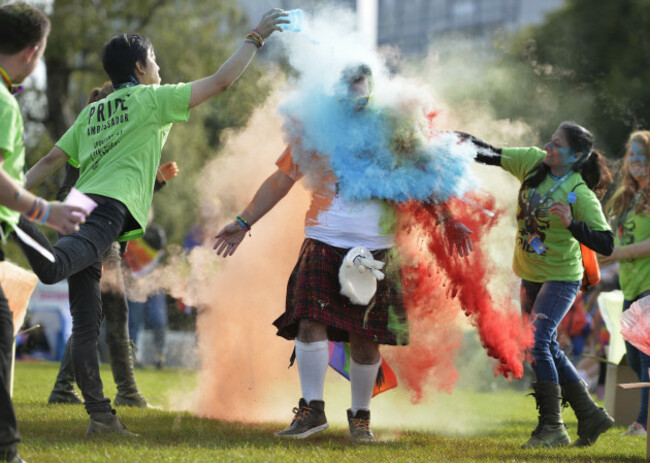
(229, 72)
(45, 167)
(268, 195)
(485, 153)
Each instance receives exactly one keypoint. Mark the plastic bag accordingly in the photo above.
(18, 285)
(635, 325)
(358, 275)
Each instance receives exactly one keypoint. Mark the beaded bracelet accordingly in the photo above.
(255, 37)
(242, 223)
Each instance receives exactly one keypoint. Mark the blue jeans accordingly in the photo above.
(639, 362)
(78, 257)
(548, 303)
(154, 313)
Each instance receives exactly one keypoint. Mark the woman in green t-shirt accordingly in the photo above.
(558, 210)
(629, 210)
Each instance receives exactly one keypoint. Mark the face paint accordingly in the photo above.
(637, 148)
(567, 155)
(637, 165)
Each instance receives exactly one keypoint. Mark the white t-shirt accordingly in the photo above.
(341, 223)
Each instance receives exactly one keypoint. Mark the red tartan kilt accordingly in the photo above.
(313, 293)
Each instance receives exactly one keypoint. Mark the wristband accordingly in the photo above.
(255, 37)
(46, 215)
(446, 217)
(35, 210)
(242, 223)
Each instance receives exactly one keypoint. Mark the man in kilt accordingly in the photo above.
(315, 310)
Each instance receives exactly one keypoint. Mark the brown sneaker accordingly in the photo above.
(106, 423)
(308, 420)
(360, 426)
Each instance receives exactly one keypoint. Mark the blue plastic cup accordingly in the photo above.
(295, 21)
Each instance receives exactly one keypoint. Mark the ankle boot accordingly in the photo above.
(106, 423)
(550, 430)
(64, 391)
(592, 419)
(122, 367)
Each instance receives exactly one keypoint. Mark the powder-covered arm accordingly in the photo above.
(485, 153)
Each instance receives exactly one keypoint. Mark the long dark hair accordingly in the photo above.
(592, 166)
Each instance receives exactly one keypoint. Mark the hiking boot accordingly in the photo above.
(106, 423)
(121, 358)
(308, 420)
(635, 429)
(550, 431)
(592, 419)
(360, 426)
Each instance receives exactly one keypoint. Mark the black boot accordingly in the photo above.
(64, 391)
(550, 431)
(592, 419)
(122, 367)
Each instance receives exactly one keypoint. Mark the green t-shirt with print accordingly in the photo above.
(12, 147)
(117, 142)
(562, 259)
(634, 274)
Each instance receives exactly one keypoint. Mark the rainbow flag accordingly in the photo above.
(340, 362)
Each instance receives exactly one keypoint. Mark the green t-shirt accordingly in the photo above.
(634, 274)
(117, 143)
(562, 259)
(13, 146)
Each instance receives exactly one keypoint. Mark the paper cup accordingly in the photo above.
(77, 198)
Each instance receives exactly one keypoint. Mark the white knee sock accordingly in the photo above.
(313, 359)
(362, 383)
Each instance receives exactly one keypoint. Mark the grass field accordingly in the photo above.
(500, 422)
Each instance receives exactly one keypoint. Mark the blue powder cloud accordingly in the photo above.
(379, 152)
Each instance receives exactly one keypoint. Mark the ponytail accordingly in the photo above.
(595, 173)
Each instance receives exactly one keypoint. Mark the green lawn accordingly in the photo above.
(485, 427)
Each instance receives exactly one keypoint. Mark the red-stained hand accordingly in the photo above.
(457, 235)
(228, 239)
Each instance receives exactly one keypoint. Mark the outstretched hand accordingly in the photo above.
(228, 239)
(270, 22)
(457, 235)
(65, 218)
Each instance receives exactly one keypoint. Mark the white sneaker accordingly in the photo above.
(635, 429)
